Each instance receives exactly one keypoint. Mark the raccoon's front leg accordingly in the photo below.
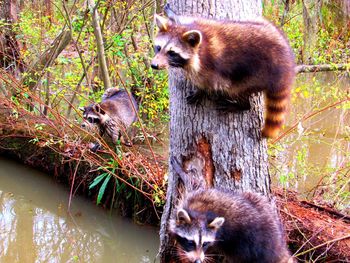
(117, 135)
(124, 140)
(239, 103)
(195, 96)
(96, 146)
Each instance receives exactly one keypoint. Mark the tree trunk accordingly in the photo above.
(285, 11)
(227, 146)
(311, 13)
(47, 58)
(48, 10)
(10, 58)
(99, 42)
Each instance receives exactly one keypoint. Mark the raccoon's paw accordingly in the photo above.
(95, 147)
(195, 97)
(128, 143)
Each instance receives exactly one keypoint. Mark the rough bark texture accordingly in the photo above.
(311, 13)
(228, 147)
(10, 58)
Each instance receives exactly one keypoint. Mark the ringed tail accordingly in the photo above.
(276, 105)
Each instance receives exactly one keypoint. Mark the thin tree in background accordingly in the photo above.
(99, 43)
(10, 58)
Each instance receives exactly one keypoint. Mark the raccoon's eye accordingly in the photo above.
(206, 245)
(157, 49)
(93, 120)
(186, 244)
(171, 53)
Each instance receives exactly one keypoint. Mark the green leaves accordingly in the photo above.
(105, 177)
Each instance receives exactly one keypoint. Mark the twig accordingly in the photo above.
(324, 244)
(308, 117)
(72, 186)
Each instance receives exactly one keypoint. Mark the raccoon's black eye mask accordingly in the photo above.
(93, 120)
(187, 245)
(206, 245)
(175, 60)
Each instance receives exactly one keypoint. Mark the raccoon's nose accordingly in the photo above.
(154, 66)
(198, 261)
(83, 125)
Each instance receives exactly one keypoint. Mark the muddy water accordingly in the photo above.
(316, 153)
(35, 225)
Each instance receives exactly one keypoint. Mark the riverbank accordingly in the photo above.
(58, 149)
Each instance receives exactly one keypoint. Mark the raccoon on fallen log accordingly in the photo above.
(228, 61)
(113, 115)
(212, 225)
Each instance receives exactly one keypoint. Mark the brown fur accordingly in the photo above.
(234, 59)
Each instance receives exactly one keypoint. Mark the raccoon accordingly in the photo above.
(211, 225)
(228, 61)
(114, 114)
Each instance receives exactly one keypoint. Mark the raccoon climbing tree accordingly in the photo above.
(223, 149)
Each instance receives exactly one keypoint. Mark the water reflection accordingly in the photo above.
(317, 151)
(34, 225)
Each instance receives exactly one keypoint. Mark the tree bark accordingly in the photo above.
(10, 58)
(285, 11)
(227, 146)
(311, 13)
(99, 42)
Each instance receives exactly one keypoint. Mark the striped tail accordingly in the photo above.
(276, 105)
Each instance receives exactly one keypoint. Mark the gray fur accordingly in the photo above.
(251, 231)
(113, 115)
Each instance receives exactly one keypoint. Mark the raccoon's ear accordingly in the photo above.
(98, 109)
(162, 22)
(193, 37)
(183, 217)
(82, 109)
(217, 222)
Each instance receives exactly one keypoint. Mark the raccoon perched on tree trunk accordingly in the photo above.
(113, 115)
(211, 225)
(229, 60)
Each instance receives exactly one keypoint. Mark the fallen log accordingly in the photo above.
(319, 68)
(314, 233)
